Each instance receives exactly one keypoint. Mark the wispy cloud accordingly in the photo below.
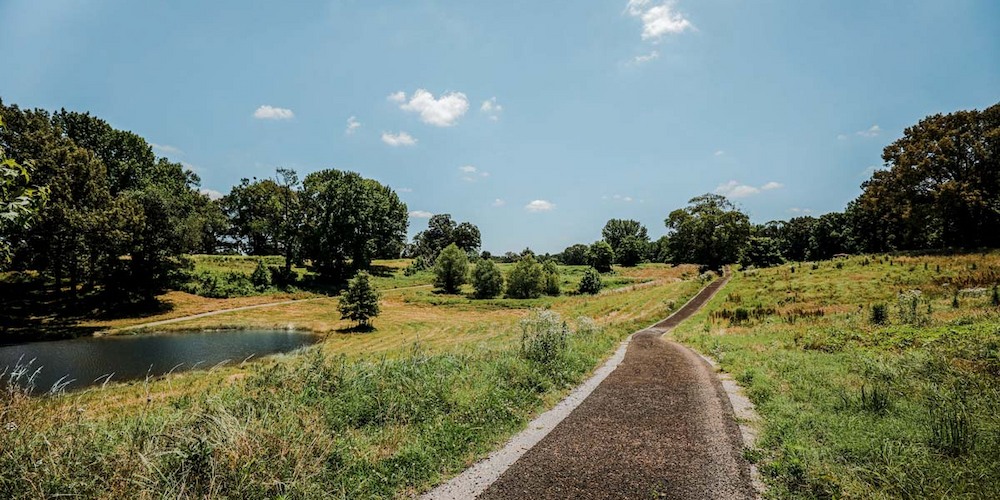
(800, 210)
(400, 139)
(658, 19)
(719, 153)
(211, 193)
(471, 173)
(267, 112)
(498, 202)
(405, 190)
(352, 125)
(734, 189)
(645, 58)
(872, 131)
(441, 112)
(165, 149)
(540, 206)
(491, 108)
(421, 214)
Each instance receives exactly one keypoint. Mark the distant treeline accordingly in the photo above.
(114, 218)
(939, 189)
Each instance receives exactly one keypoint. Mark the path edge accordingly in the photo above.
(474, 480)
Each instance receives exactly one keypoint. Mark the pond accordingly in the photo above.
(89, 361)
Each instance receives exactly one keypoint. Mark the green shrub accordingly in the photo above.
(591, 282)
(419, 264)
(487, 280)
(543, 336)
(451, 269)
(282, 278)
(261, 277)
(552, 279)
(601, 255)
(526, 280)
(219, 285)
(909, 311)
(359, 303)
(880, 315)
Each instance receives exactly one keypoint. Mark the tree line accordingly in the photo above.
(939, 189)
(93, 209)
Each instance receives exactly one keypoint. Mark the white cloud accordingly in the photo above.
(540, 206)
(734, 189)
(645, 58)
(352, 125)
(442, 112)
(498, 202)
(658, 19)
(800, 210)
(470, 172)
(873, 131)
(405, 190)
(188, 166)
(397, 96)
(400, 139)
(266, 112)
(491, 108)
(165, 149)
(720, 153)
(421, 214)
(211, 193)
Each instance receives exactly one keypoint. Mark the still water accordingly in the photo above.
(87, 361)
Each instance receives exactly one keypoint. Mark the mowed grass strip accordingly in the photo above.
(854, 406)
(377, 415)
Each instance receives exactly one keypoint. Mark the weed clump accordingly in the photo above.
(910, 313)
(879, 315)
(544, 336)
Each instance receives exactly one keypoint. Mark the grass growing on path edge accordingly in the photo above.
(314, 424)
(856, 408)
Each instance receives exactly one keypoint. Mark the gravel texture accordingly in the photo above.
(660, 426)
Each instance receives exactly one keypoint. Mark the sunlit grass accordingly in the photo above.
(856, 409)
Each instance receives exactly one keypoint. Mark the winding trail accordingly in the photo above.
(659, 426)
(235, 309)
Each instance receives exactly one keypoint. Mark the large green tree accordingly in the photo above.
(940, 186)
(710, 231)
(443, 231)
(628, 238)
(349, 221)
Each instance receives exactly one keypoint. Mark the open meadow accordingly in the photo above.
(875, 376)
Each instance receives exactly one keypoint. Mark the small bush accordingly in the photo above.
(359, 302)
(874, 398)
(261, 277)
(543, 336)
(282, 278)
(526, 280)
(552, 279)
(419, 264)
(591, 282)
(487, 280)
(601, 255)
(880, 315)
(451, 269)
(909, 311)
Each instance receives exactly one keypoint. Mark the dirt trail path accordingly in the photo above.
(659, 426)
(235, 309)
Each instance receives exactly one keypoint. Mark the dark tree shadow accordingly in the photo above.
(357, 329)
(33, 311)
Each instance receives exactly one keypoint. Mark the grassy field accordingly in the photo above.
(876, 377)
(443, 380)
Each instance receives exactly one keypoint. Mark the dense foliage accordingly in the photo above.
(526, 280)
(600, 256)
(487, 280)
(451, 269)
(443, 231)
(591, 282)
(359, 302)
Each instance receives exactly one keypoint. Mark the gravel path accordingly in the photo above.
(660, 426)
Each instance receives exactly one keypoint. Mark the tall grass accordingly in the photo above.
(867, 400)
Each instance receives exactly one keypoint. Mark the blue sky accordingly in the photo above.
(596, 109)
